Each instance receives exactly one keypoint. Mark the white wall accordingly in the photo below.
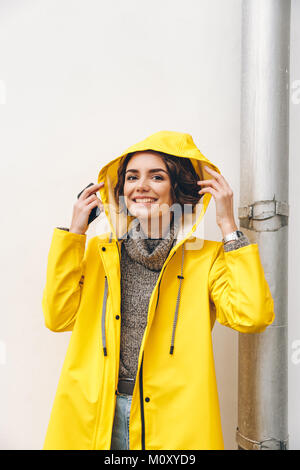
(79, 83)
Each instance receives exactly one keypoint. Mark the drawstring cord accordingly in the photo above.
(104, 304)
(180, 277)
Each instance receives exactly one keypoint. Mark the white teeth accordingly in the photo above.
(144, 200)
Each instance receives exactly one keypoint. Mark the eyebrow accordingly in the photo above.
(153, 170)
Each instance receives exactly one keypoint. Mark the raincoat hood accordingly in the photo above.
(170, 142)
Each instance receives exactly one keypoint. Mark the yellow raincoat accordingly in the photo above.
(82, 294)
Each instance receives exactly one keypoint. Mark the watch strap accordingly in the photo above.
(232, 236)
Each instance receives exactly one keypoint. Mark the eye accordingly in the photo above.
(154, 176)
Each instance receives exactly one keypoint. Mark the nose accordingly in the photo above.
(142, 185)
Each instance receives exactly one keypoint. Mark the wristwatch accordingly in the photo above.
(232, 236)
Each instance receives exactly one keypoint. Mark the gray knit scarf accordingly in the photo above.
(151, 252)
(141, 263)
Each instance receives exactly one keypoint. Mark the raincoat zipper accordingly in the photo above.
(141, 377)
(142, 403)
(104, 306)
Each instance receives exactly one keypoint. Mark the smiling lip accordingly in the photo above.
(144, 200)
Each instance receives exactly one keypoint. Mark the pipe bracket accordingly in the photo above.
(267, 216)
(248, 444)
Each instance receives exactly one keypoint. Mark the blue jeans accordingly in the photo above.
(120, 432)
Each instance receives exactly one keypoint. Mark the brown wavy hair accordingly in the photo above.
(183, 176)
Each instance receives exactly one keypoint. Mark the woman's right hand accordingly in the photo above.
(83, 207)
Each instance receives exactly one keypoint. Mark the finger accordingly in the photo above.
(91, 198)
(94, 187)
(97, 186)
(220, 178)
(210, 170)
(90, 190)
(213, 183)
(95, 203)
(208, 190)
(206, 181)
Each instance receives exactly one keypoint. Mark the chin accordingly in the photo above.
(144, 212)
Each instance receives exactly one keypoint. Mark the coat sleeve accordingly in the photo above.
(64, 280)
(239, 290)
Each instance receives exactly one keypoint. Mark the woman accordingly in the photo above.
(142, 300)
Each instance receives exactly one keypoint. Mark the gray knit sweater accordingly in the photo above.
(141, 262)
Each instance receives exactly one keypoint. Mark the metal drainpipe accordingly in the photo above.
(263, 215)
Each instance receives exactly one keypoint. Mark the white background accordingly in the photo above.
(80, 81)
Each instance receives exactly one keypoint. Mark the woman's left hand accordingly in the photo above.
(223, 195)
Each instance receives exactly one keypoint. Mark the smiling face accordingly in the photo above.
(147, 186)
